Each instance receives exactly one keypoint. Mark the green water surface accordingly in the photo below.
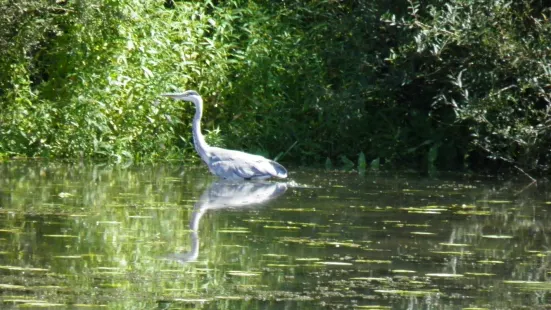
(83, 236)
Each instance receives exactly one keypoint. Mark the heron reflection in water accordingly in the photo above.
(225, 194)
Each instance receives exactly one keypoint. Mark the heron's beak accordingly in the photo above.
(174, 95)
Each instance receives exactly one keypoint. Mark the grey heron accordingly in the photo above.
(227, 164)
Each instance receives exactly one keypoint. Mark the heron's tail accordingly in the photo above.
(281, 172)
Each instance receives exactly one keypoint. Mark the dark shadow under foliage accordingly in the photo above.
(462, 84)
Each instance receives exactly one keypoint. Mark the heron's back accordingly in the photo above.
(231, 164)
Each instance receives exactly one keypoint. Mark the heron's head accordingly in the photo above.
(188, 95)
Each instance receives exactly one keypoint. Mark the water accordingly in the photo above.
(165, 237)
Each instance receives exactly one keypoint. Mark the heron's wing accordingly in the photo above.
(237, 169)
(234, 164)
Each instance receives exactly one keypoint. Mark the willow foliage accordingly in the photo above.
(431, 85)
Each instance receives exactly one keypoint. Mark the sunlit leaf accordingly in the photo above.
(244, 273)
(444, 275)
(497, 236)
(334, 263)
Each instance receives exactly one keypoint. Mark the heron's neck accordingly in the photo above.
(199, 142)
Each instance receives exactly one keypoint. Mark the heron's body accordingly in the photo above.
(233, 165)
(227, 164)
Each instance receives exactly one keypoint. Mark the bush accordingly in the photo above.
(85, 80)
(439, 85)
(487, 67)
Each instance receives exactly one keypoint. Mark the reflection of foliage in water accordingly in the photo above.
(99, 235)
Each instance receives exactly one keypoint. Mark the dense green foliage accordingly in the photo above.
(429, 85)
